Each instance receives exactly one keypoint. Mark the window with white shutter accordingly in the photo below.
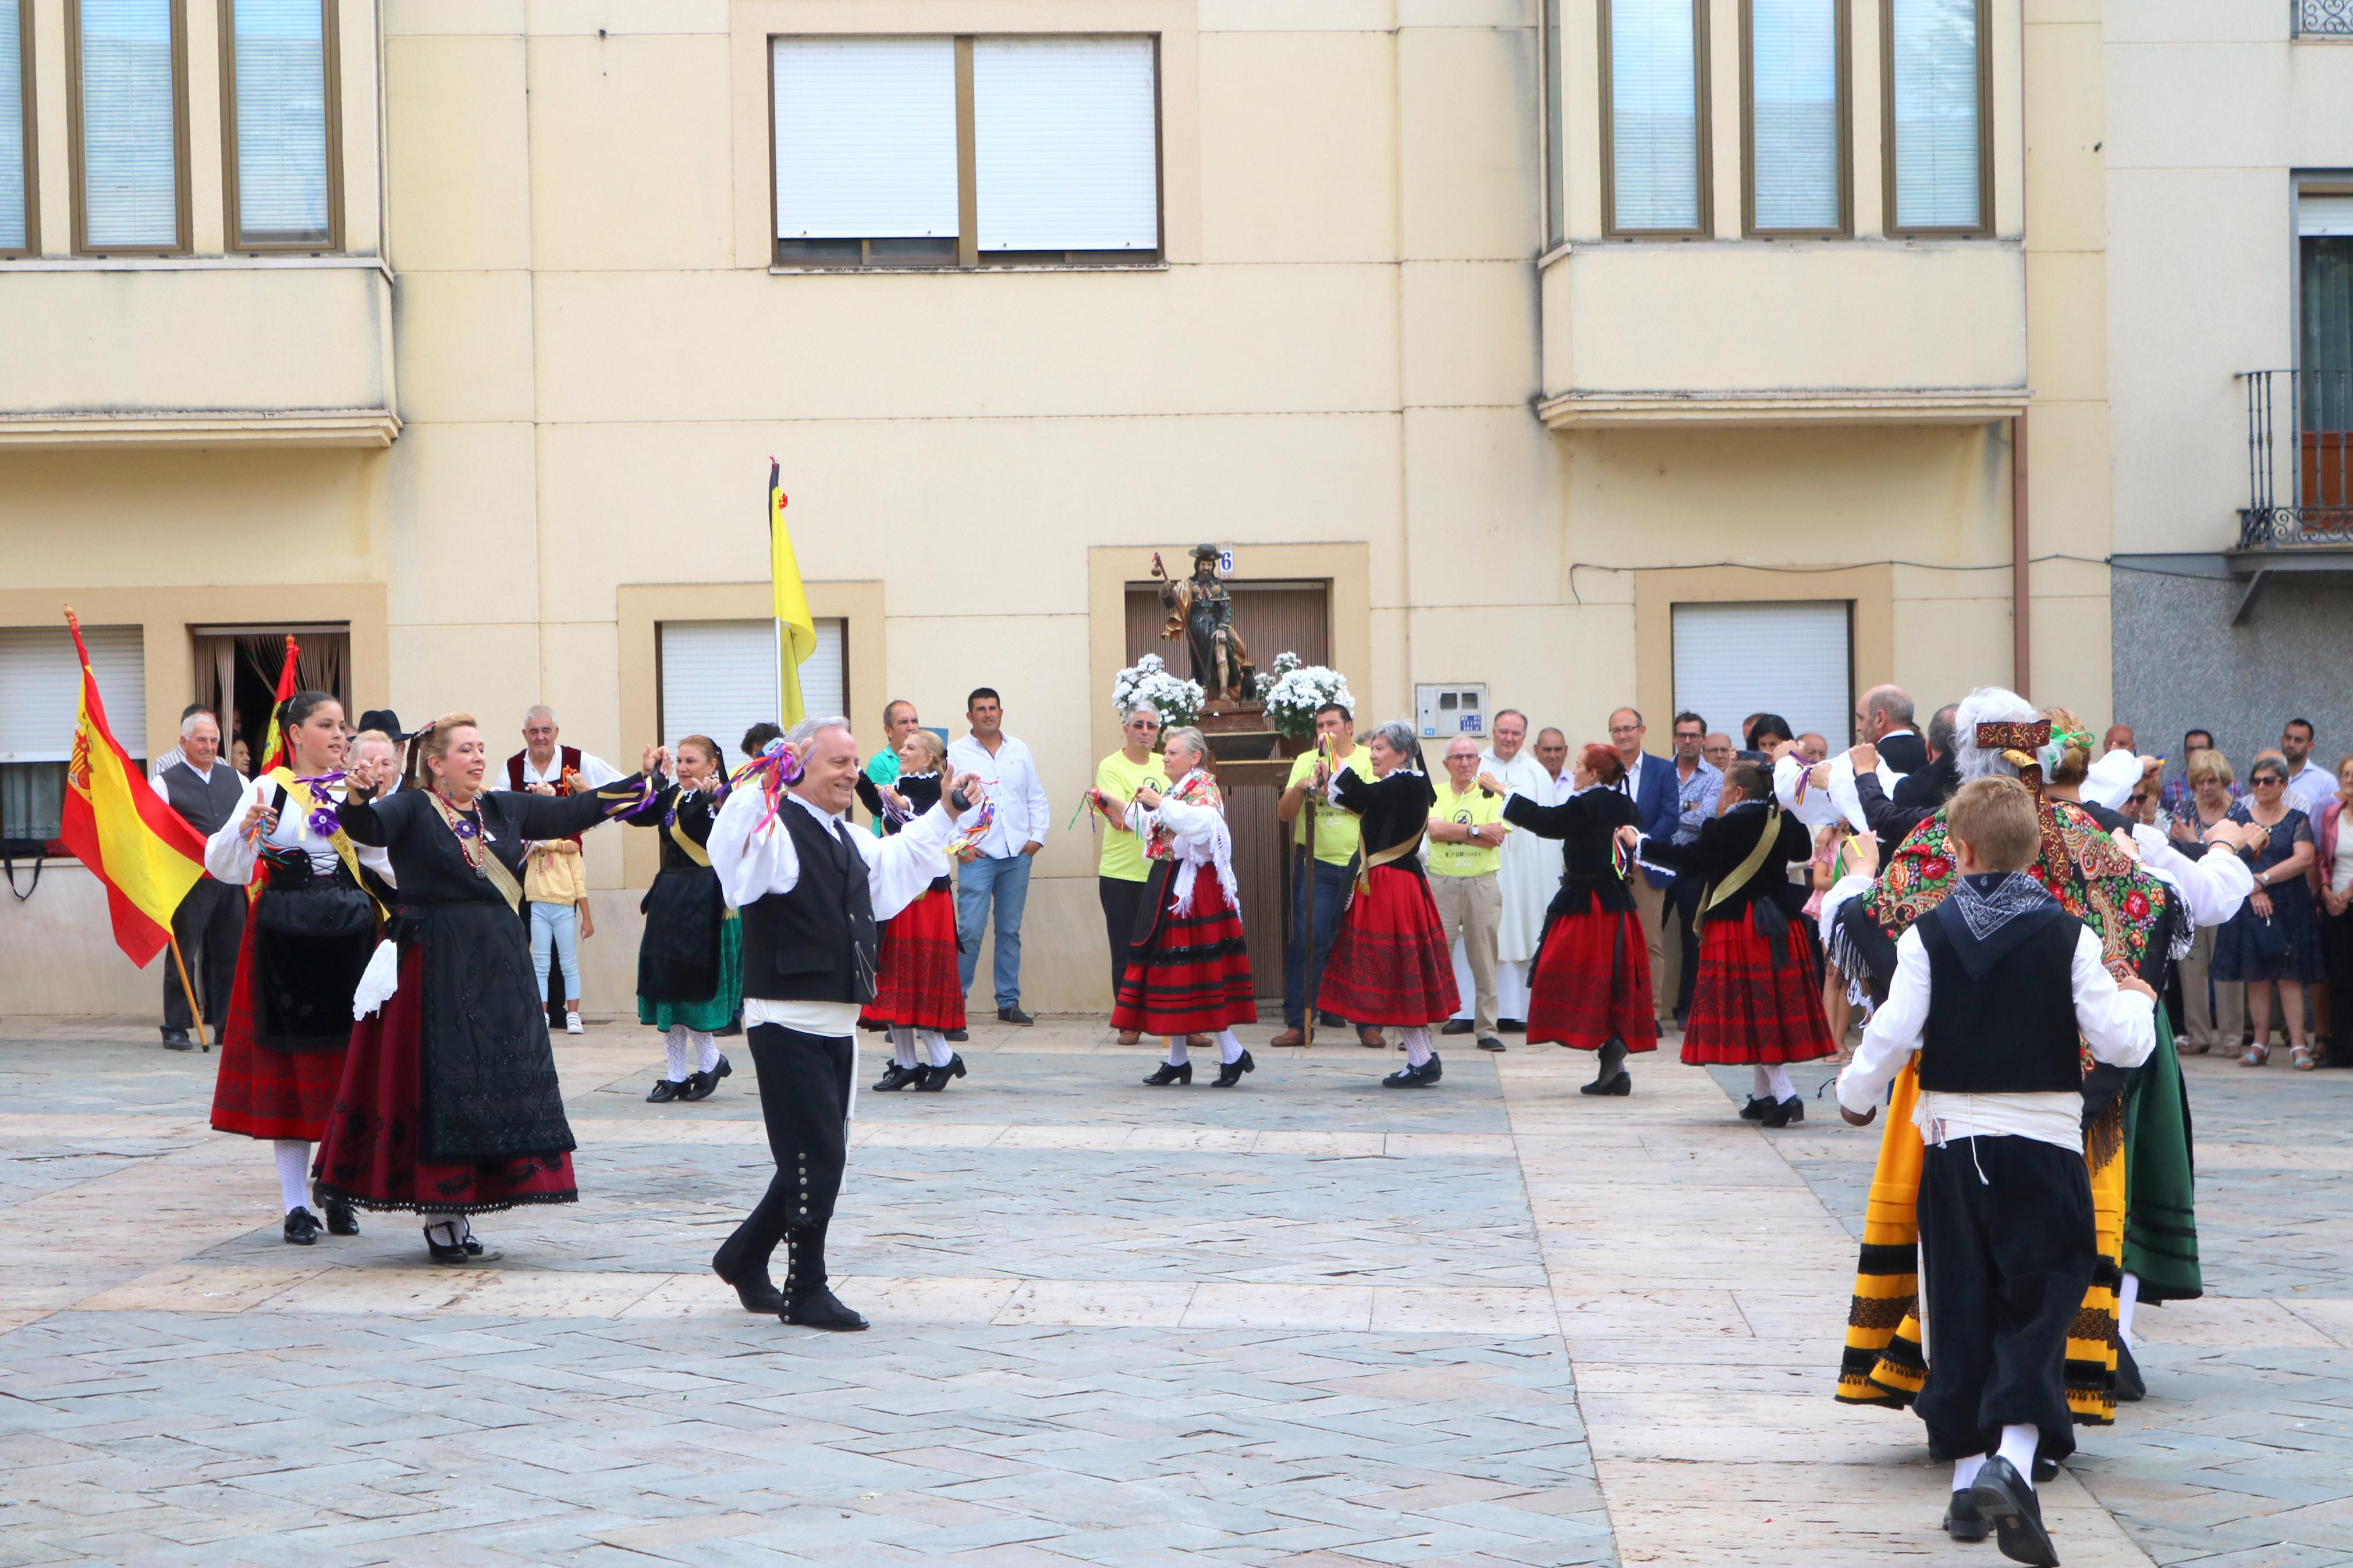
(1936, 70)
(1654, 115)
(1793, 659)
(964, 152)
(719, 679)
(18, 224)
(1796, 100)
(130, 142)
(281, 178)
(40, 703)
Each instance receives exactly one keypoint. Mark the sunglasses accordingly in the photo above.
(2259, 780)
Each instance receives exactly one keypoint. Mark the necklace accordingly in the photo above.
(465, 829)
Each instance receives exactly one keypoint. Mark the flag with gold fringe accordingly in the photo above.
(274, 746)
(795, 627)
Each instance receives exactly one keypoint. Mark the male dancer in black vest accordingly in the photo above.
(209, 924)
(1994, 987)
(812, 891)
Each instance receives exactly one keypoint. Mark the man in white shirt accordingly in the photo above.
(996, 870)
(2309, 788)
(555, 881)
(1527, 880)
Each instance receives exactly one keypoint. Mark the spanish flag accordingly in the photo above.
(125, 833)
(795, 627)
(274, 753)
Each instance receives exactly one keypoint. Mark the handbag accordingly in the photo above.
(2267, 939)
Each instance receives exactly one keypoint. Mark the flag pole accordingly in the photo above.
(1307, 966)
(190, 991)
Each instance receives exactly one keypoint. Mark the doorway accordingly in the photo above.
(237, 675)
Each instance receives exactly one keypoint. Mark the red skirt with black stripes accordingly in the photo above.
(1592, 983)
(1391, 963)
(1748, 1010)
(915, 981)
(1195, 977)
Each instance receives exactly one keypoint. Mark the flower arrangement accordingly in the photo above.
(1296, 690)
(1177, 700)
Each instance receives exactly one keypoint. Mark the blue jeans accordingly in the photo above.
(1301, 977)
(1008, 881)
(556, 926)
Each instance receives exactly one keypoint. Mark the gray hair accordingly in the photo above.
(1133, 709)
(1183, 735)
(808, 730)
(1401, 738)
(1987, 705)
(189, 721)
(539, 710)
(1890, 702)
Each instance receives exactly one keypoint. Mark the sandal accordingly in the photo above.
(2255, 1056)
(2183, 1047)
(2304, 1060)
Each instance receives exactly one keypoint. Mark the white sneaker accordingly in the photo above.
(572, 1024)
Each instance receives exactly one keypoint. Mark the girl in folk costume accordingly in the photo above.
(1758, 1000)
(1191, 970)
(691, 961)
(1391, 963)
(1592, 984)
(918, 995)
(476, 1123)
(307, 941)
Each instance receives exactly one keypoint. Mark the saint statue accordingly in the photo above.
(1201, 610)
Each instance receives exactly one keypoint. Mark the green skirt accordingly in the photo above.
(716, 1010)
(2160, 1203)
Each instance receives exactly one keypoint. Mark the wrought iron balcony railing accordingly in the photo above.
(2324, 19)
(2299, 458)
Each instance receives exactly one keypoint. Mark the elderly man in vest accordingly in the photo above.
(812, 891)
(554, 881)
(210, 922)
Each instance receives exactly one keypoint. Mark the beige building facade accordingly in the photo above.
(1498, 327)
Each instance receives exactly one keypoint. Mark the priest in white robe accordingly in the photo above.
(1528, 878)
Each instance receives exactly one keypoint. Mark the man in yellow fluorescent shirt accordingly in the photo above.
(1466, 851)
(1333, 866)
(1120, 875)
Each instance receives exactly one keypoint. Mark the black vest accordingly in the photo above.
(206, 804)
(2011, 1031)
(817, 942)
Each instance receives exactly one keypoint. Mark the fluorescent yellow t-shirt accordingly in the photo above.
(1336, 833)
(1123, 852)
(1476, 810)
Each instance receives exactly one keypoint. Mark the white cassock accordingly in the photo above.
(1528, 878)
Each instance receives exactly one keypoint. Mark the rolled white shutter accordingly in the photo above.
(281, 59)
(1934, 48)
(1653, 115)
(865, 137)
(1066, 143)
(129, 132)
(40, 689)
(12, 124)
(1732, 660)
(822, 685)
(719, 679)
(2324, 215)
(1794, 95)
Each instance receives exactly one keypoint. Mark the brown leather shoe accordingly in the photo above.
(1130, 1036)
(1288, 1038)
(1371, 1035)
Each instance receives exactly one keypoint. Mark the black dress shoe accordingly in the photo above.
(895, 1077)
(1422, 1077)
(1457, 1027)
(1512, 1026)
(301, 1226)
(2009, 1504)
(1168, 1073)
(1489, 1043)
(1325, 1020)
(1620, 1084)
(734, 1027)
(2045, 1467)
(724, 1070)
(1962, 1520)
(934, 1080)
(177, 1040)
(664, 1091)
(699, 1086)
(2131, 1388)
(341, 1220)
(469, 1250)
(1756, 1108)
(1013, 1015)
(1775, 1115)
(1796, 1109)
(958, 1035)
(822, 1309)
(1232, 1072)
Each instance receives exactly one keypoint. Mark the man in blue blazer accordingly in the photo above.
(1651, 782)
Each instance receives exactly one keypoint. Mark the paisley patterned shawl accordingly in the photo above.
(1196, 788)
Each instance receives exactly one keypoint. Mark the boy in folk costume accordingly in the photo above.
(2000, 990)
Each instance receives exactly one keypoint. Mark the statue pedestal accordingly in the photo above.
(1245, 744)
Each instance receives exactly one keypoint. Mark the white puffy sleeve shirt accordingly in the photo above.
(229, 855)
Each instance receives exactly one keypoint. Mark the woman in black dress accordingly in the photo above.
(690, 959)
(449, 1104)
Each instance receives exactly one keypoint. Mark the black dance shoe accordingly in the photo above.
(301, 1226)
(1758, 1104)
(1170, 1072)
(469, 1250)
(2005, 1499)
(821, 1309)
(177, 1040)
(1489, 1043)
(699, 1086)
(1962, 1520)
(1456, 1027)
(664, 1091)
(724, 1070)
(1796, 1107)
(2131, 1388)
(895, 1077)
(1775, 1114)
(1422, 1077)
(2045, 1467)
(958, 1035)
(341, 1220)
(1511, 1025)
(1232, 1072)
(759, 1295)
(934, 1080)
(1620, 1084)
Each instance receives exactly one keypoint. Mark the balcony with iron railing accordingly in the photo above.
(2299, 510)
(2323, 18)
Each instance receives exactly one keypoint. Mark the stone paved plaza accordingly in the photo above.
(1305, 1322)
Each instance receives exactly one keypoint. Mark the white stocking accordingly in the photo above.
(902, 1047)
(1417, 1046)
(293, 1173)
(935, 1045)
(1964, 1471)
(2018, 1443)
(1178, 1055)
(2127, 1300)
(1760, 1082)
(674, 1050)
(1777, 1084)
(706, 1051)
(1230, 1049)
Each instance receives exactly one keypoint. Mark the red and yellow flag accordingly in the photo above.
(273, 745)
(126, 833)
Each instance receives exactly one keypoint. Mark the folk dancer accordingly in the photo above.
(690, 959)
(918, 994)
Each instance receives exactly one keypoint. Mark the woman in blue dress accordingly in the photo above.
(2274, 940)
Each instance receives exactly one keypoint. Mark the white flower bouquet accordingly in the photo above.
(1298, 690)
(1177, 700)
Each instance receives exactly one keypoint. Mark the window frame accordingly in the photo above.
(26, 61)
(1844, 10)
(331, 98)
(967, 256)
(181, 215)
(1703, 130)
(1892, 219)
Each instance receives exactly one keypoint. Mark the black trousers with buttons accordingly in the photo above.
(805, 1099)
